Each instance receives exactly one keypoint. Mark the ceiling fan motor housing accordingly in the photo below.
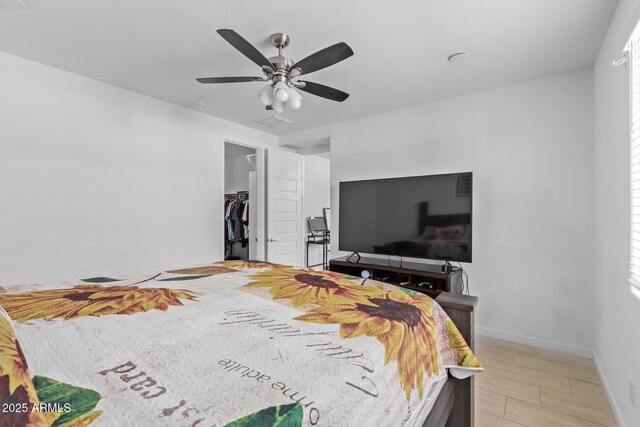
(281, 63)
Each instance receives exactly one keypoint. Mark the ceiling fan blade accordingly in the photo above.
(324, 58)
(229, 79)
(245, 47)
(324, 91)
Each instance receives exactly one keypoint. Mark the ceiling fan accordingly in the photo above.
(282, 72)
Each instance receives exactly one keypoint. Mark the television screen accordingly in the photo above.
(420, 217)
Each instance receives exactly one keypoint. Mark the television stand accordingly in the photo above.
(424, 278)
(353, 257)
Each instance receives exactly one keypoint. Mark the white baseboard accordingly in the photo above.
(535, 342)
(607, 391)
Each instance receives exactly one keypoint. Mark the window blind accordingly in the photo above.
(633, 59)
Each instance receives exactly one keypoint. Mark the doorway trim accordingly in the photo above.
(258, 201)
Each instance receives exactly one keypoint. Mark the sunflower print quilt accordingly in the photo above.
(228, 344)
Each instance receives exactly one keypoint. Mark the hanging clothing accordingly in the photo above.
(228, 216)
(245, 220)
(236, 220)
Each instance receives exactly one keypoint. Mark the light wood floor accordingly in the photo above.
(527, 386)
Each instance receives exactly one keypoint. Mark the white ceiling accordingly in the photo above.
(159, 47)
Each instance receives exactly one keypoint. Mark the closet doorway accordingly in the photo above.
(243, 193)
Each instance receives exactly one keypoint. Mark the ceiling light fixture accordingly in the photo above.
(276, 96)
(459, 56)
(278, 106)
(266, 95)
(295, 99)
(281, 91)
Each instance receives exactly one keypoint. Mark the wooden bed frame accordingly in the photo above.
(454, 405)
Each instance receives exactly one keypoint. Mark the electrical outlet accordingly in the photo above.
(632, 393)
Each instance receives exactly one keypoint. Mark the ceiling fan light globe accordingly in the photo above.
(295, 100)
(281, 91)
(278, 106)
(266, 95)
(282, 95)
(295, 105)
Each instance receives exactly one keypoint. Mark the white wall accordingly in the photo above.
(617, 312)
(317, 194)
(236, 174)
(530, 147)
(97, 180)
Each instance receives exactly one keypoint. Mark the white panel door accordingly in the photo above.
(284, 207)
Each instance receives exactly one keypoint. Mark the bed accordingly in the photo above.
(233, 344)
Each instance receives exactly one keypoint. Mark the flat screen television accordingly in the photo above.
(420, 217)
